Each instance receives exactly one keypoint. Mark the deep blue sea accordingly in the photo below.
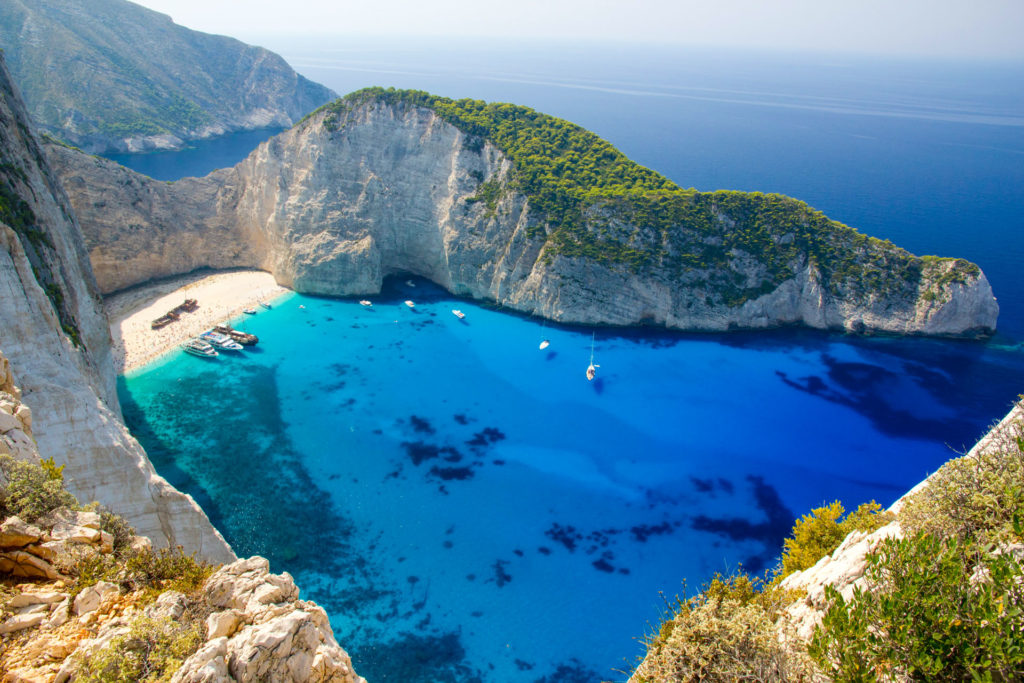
(467, 506)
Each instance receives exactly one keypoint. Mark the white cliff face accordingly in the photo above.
(334, 205)
(70, 387)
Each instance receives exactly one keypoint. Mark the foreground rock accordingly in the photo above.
(257, 628)
(263, 632)
(372, 188)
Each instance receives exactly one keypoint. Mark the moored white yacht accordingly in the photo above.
(221, 341)
(197, 347)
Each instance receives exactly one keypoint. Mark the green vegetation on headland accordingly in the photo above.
(943, 601)
(588, 200)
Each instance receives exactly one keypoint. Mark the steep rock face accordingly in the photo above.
(349, 196)
(151, 83)
(53, 332)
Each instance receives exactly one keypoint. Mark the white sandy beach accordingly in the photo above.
(220, 295)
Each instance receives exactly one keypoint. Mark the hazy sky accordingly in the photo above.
(958, 28)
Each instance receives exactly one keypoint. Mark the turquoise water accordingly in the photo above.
(469, 507)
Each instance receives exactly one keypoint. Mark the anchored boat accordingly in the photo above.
(592, 369)
(221, 341)
(197, 347)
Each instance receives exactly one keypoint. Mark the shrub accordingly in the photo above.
(151, 570)
(725, 633)
(936, 610)
(973, 496)
(152, 650)
(31, 490)
(821, 532)
(115, 525)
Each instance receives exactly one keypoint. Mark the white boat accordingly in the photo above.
(410, 283)
(221, 341)
(250, 311)
(409, 303)
(197, 347)
(592, 369)
(366, 304)
(544, 344)
(458, 314)
(264, 304)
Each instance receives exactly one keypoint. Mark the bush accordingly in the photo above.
(152, 650)
(725, 633)
(115, 525)
(973, 497)
(31, 490)
(821, 532)
(936, 610)
(151, 570)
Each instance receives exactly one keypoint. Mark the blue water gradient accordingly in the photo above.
(469, 507)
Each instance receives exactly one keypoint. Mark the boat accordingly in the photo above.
(458, 314)
(366, 304)
(220, 341)
(544, 344)
(197, 347)
(592, 369)
(409, 303)
(410, 283)
(250, 311)
(264, 304)
(243, 338)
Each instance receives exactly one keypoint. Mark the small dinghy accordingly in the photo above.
(410, 283)
(544, 344)
(264, 304)
(366, 304)
(458, 314)
(592, 369)
(250, 311)
(409, 303)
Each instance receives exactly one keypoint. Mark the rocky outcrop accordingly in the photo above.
(151, 83)
(260, 631)
(844, 568)
(350, 196)
(56, 339)
(255, 626)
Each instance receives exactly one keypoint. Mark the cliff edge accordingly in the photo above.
(54, 333)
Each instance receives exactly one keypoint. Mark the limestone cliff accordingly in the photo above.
(369, 187)
(112, 75)
(53, 332)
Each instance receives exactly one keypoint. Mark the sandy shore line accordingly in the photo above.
(220, 295)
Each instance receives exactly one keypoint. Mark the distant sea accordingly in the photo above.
(467, 506)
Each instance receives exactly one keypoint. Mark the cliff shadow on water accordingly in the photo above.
(244, 472)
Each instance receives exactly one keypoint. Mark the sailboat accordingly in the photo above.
(592, 369)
